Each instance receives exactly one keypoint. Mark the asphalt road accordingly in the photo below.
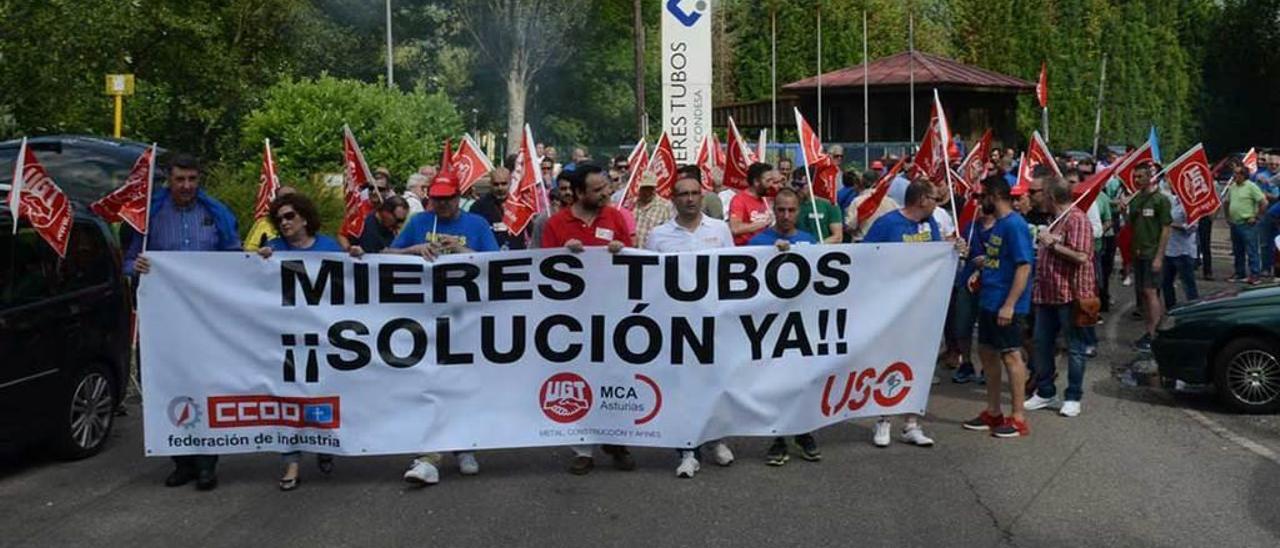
(1140, 467)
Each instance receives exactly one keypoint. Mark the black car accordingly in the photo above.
(85, 167)
(64, 337)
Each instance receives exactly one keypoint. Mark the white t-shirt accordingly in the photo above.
(670, 237)
(945, 226)
(726, 196)
(1095, 219)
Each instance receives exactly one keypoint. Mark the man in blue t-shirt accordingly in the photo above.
(913, 223)
(783, 233)
(1004, 300)
(446, 229)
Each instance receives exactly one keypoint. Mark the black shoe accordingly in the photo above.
(808, 448)
(622, 459)
(581, 466)
(206, 480)
(179, 477)
(777, 455)
(325, 464)
(1143, 344)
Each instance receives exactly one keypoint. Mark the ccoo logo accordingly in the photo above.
(184, 412)
(687, 18)
(565, 397)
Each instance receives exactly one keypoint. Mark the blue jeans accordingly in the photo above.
(1244, 245)
(1266, 246)
(1050, 319)
(1184, 268)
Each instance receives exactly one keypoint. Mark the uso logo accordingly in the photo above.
(565, 397)
(887, 388)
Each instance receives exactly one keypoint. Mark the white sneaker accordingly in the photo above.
(915, 436)
(1128, 281)
(422, 472)
(688, 465)
(882, 435)
(1070, 409)
(467, 464)
(1037, 402)
(721, 454)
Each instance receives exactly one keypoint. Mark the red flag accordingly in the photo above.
(469, 164)
(869, 206)
(1130, 162)
(706, 163)
(355, 176)
(974, 167)
(827, 176)
(663, 166)
(40, 200)
(268, 182)
(1039, 154)
(1192, 183)
(1250, 161)
(922, 164)
(968, 213)
(524, 201)
(721, 160)
(1042, 85)
(1024, 176)
(737, 159)
(1088, 190)
(131, 203)
(446, 158)
(636, 162)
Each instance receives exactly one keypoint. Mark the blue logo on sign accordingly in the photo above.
(318, 414)
(687, 18)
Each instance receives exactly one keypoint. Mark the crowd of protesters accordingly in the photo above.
(1033, 269)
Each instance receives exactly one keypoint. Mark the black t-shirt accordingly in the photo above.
(375, 237)
(491, 209)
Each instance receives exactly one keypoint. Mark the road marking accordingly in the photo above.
(1222, 431)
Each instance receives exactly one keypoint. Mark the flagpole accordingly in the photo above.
(1097, 121)
(773, 69)
(820, 136)
(911, 64)
(15, 188)
(151, 173)
(944, 139)
(813, 200)
(866, 112)
(1044, 114)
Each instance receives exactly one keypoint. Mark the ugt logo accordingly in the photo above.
(565, 397)
(687, 18)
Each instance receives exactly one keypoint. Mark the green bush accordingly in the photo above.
(303, 118)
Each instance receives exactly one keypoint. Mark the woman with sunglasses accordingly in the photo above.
(297, 221)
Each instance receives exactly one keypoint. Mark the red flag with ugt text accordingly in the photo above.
(1192, 183)
(1088, 190)
(974, 167)
(131, 203)
(42, 202)
(869, 206)
(737, 159)
(1023, 180)
(1039, 154)
(1142, 155)
(720, 156)
(1042, 85)
(637, 161)
(268, 183)
(662, 165)
(523, 202)
(827, 174)
(706, 164)
(469, 163)
(1250, 161)
(355, 177)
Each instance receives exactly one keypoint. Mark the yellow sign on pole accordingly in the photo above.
(119, 85)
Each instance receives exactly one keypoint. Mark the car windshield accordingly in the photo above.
(84, 173)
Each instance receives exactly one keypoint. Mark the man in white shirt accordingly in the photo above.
(415, 192)
(690, 230)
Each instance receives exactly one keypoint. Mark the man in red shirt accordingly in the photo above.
(590, 222)
(748, 212)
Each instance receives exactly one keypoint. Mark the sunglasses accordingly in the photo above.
(286, 216)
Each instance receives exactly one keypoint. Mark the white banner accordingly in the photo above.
(392, 354)
(686, 75)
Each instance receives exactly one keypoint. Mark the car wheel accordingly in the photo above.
(89, 413)
(1247, 374)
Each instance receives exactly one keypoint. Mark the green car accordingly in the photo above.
(1231, 340)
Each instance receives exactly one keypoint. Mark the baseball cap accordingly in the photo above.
(835, 150)
(444, 186)
(1018, 190)
(648, 180)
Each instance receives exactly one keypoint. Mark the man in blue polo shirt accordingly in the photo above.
(783, 233)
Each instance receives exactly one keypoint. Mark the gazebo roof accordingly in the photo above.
(930, 71)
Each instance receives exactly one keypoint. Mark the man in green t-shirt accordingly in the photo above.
(1245, 205)
(818, 216)
(1149, 212)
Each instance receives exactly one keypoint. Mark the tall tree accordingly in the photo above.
(521, 38)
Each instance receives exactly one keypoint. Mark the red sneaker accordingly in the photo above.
(984, 421)
(1011, 428)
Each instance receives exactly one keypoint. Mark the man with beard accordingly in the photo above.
(748, 212)
(590, 222)
(491, 206)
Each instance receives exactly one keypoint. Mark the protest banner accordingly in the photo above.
(393, 354)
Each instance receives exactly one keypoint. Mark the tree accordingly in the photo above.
(521, 38)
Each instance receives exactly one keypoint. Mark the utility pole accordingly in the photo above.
(638, 30)
(390, 55)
